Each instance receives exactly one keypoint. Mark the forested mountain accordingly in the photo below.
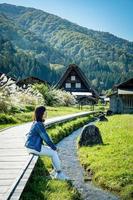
(34, 42)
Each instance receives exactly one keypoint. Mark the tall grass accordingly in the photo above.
(112, 163)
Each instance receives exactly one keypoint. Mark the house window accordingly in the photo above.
(72, 78)
(78, 85)
(68, 85)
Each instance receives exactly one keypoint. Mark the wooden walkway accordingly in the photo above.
(16, 164)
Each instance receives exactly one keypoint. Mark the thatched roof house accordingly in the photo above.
(75, 82)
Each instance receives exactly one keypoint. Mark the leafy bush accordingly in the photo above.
(30, 108)
(15, 109)
(7, 119)
(58, 132)
(24, 117)
(53, 96)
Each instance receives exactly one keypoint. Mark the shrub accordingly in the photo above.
(60, 131)
(53, 96)
(30, 108)
(15, 109)
(7, 119)
(24, 117)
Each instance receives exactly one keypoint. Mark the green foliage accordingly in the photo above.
(30, 108)
(60, 131)
(32, 41)
(7, 119)
(111, 163)
(14, 109)
(55, 97)
(24, 117)
(17, 118)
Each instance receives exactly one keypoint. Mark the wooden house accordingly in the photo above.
(29, 80)
(121, 100)
(75, 82)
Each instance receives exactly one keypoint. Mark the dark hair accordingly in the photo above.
(38, 113)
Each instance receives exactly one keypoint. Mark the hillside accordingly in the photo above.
(49, 40)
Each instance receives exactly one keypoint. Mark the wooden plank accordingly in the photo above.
(11, 141)
(3, 189)
(14, 150)
(16, 196)
(8, 173)
(4, 182)
(19, 189)
(22, 158)
(11, 146)
(18, 178)
(11, 165)
(1, 197)
(13, 153)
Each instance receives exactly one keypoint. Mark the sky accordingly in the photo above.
(114, 16)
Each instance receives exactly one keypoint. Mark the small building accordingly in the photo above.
(75, 82)
(29, 80)
(121, 100)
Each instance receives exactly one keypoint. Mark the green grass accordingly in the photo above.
(59, 111)
(8, 120)
(40, 186)
(112, 163)
(58, 132)
(14, 119)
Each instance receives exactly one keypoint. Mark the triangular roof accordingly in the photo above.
(28, 78)
(127, 83)
(80, 74)
(125, 87)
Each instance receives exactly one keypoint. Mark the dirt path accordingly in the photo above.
(71, 166)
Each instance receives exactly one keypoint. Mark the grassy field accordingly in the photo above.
(8, 120)
(112, 163)
(40, 186)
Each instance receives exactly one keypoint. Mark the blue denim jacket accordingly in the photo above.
(36, 136)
